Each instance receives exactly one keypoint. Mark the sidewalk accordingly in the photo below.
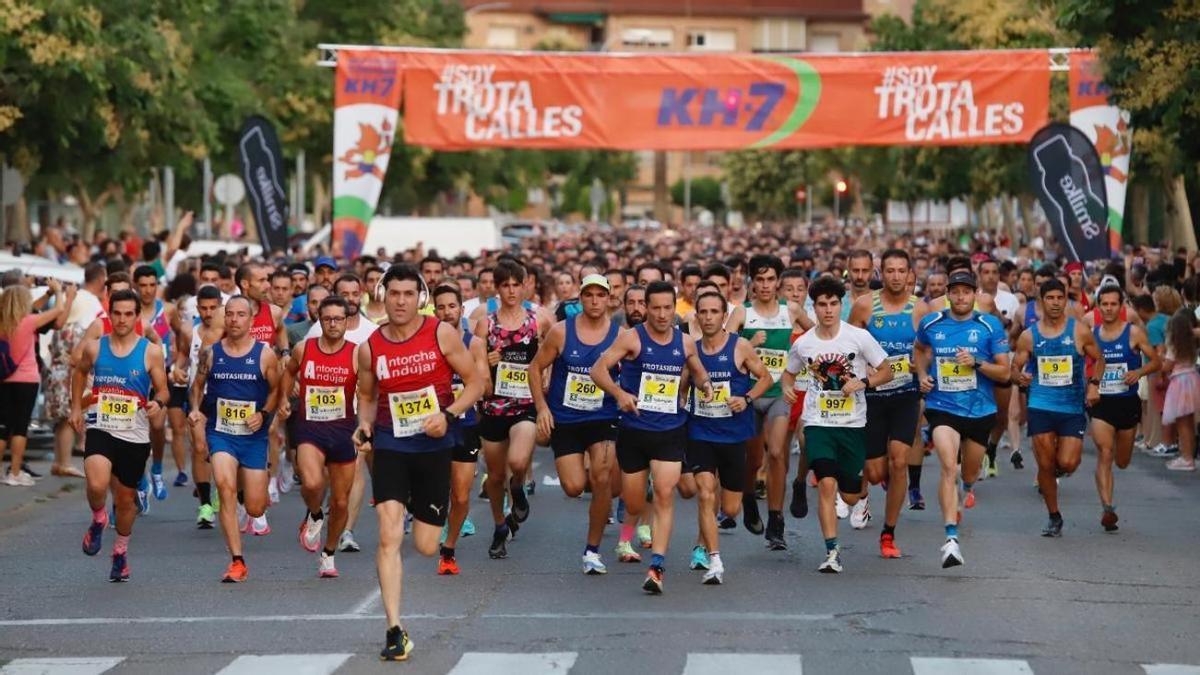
(49, 488)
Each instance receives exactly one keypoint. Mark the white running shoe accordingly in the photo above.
(21, 479)
(833, 562)
(860, 514)
(325, 567)
(715, 575)
(346, 543)
(243, 519)
(951, 555)
(983, 469)
(843, 509)
(259, 526)
(286, 475)
(310, 532)
(592, 564)
(273, 490)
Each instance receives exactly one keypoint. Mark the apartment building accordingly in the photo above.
(755, 26)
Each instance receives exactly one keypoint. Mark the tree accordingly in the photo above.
(1149, 50)
(762, 183)
(706, 193)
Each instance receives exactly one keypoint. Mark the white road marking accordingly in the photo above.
(722, 664)
(1170, 669)
(483, 663)
(89, 665)
(271, 618)
(939, 666)
(367, 603)
(285, 664)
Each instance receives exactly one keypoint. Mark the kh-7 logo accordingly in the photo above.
(704, 107)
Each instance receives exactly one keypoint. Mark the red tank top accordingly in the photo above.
(263, 328)
(327, 383)
(410, 366)
(106, 325)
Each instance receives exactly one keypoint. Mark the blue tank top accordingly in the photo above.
(123, 377)
(1031, 316)
(716, 423)
(654, 377)
(895, 333)
(234, 380)
(573, 396)
(470, 418)
(1119, 359)
(1058, 377)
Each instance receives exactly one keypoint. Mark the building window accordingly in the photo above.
(780, 35)
(647, 37)
(502, 37)
(712, 40)
(824, 43)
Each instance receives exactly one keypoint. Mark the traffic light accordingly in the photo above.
(841, 187)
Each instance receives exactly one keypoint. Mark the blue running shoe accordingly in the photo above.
(699, 558)
(160, 486)
(120, 568)
(181, 479)
(468, 528)
(91, 538)
(143, 496)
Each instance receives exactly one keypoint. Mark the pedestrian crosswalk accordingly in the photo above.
(545, 663)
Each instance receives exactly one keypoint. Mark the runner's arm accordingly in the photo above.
(460, 360)
(281, 338)
(548, 350)
(860, 311)
(366, 390)
(1020, 357)
(696, 370)
(270, 370)
(202, 368)
(746, 355)
(156, 365)
(1137, 337)
(800, 318)
(626, 345)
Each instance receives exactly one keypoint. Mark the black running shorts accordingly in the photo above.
(128, 459)
(419, 480)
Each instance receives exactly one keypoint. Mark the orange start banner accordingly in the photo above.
(457, 100)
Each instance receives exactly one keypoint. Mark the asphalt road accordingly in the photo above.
(1089, 602)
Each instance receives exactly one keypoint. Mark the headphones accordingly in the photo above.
(422, 287)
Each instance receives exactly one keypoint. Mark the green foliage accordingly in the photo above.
(706, 193)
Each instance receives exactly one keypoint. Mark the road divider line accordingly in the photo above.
(723, 664)
(1170, 669)
(486, 663)
(89, 665)
(292, 664)
(367, 603)
(949, 666)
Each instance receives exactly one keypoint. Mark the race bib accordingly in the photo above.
(659, 393)
(410, 409)
(323, 404)
(1113, 381)
(802, 378)
(834, 406)
(116, 412)
(718, 406)
(954, 377)
(582, 394)
(232, 416)
(774, 359)
(1055, 371)
(901, 373)
(512, 380)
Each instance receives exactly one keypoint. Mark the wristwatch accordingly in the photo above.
(1094, 380)
(866, 382)
(749, 399)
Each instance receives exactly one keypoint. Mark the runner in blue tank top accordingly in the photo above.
(1116, 416)
(233, 399)
(125, 369)
(575, 413)
(891, 315)
(447, 307)
(655, 361)
(718, 429)
(1055, 348)
(157, 318)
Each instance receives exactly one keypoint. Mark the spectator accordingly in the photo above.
(1183, 390)
(18, 330)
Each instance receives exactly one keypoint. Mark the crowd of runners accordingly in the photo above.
(726, 366)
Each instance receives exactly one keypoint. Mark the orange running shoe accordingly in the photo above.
(447, 567)
(235, 573)
(969, 500)
(887, 546)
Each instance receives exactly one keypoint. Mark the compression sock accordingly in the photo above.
(626, 532)
(205, 491)
(914, 476)
(830, 544)
(657, 560)
(951, 531)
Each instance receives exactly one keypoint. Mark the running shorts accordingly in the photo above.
(419, 480)
(179, 397)
(575, 439)
(974, 429)
(250, 453)
(1120, 412)
(495, 428)
(891, 418)
(466, 450)
(726, 460)
(636, 447)
(767, 409)
(839, 453)
(1061, 424)
(333, 439)
(128, 459)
